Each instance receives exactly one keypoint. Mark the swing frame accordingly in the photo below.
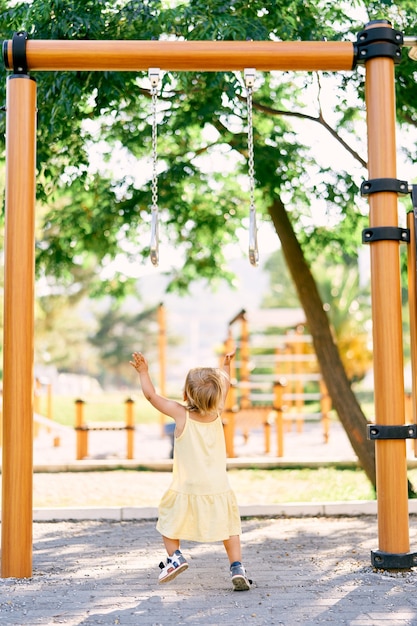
(378, 47)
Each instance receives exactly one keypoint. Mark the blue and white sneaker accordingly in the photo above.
(175, 565)
(239, 579)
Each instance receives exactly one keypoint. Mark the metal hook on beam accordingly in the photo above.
(411, 42)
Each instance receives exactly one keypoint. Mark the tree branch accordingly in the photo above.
(319, 120)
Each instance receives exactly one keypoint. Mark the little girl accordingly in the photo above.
(199, 504)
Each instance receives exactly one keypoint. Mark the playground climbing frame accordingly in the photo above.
(378, 47)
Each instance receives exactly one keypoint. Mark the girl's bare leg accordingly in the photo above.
(239, 578)
(171, 545)
(233, 549)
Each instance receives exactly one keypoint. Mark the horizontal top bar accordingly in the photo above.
(213, 56)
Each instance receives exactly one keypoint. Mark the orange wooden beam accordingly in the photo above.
(214, 56)
(19, 277)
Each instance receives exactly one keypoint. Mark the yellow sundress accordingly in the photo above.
(199, 504)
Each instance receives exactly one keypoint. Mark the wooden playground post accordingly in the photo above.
(279, 418)
(391, 466)
(289, 367)
(130, 428)
(162, 349)
(229, 415)
(49, 412)
(81, 430)
(325, 408)
(283, 367)
(17, 466)
(245, 401)
(267, 436)
(298, 383)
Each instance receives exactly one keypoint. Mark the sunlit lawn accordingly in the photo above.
(301, 485)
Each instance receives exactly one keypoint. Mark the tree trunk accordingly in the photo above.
(332, 369)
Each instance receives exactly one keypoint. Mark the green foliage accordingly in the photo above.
(62, 338)
(118, 331)
(92, 214)
(348, 308)
(281, 292)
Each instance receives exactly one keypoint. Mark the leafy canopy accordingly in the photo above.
(95, 208)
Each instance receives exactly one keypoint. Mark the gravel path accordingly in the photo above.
(306, 571)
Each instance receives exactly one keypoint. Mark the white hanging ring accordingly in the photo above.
(154, 247)
(253, 238)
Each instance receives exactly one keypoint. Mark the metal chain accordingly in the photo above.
(154, 246)
(253, 241)
(154, 149)
(251, 160)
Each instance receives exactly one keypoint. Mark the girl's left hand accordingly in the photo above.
(229, 356)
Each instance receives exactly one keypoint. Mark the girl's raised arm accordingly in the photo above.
(172, 408)
(226, 365)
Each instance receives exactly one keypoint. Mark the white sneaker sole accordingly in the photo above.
(171, 575)
(240, 583)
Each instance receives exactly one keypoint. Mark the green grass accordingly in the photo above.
(301, 485)
(324, 484)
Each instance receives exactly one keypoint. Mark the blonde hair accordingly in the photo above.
(205, 389)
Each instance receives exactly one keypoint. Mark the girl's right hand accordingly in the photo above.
(139, 362)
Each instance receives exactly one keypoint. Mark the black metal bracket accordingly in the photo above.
(388, 560)
(385, 184)
(385, 233)
(20, 65)
(407, 431)
(380, 41)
